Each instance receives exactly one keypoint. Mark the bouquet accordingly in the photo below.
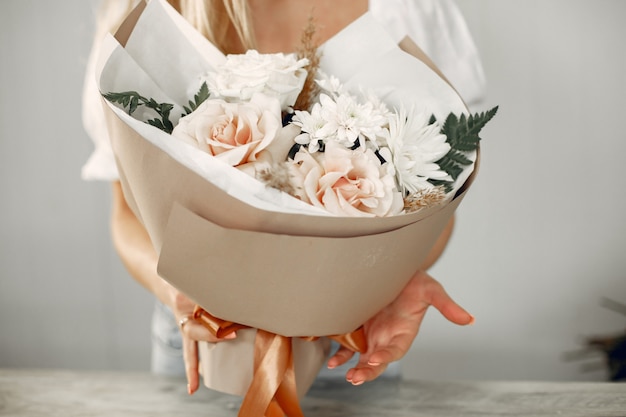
(346, 154)
(333, 204)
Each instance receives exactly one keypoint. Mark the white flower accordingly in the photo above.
(312, 124)
(342, 117)
(343, 120)
(329, 83)
(415, 147)
(275, 75)
(380, 109)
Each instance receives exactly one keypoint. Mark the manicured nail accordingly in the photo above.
(330, 366)
(370, 363)
(357, 383)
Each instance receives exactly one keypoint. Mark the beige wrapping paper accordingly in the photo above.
(228, 367)
(288, 273)
(293, 285)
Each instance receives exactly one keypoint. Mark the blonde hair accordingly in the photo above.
(226, 23)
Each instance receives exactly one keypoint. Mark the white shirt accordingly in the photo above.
(437, 26)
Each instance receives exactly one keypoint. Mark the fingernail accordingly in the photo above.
(357, 383)
(472, 320)
(374, 363)
(189, 389)
(330, 366)
(231, 336)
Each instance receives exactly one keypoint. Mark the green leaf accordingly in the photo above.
(198, 99)
(158, 124)
(453, 168)
(457, 157)
(132, 105)
(462, 133)
(447, 185)
(131, 100)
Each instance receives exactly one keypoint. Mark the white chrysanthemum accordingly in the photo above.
(347, 119)
(377, 114)
(343, 119)
(415, 147)
(311, 124)
(329, 83)
(380, 108)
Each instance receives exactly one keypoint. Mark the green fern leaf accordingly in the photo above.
(198, 99)
(462, 134)
(131, 100)
(457, 157)
(133, 103)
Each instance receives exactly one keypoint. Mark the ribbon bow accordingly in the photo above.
(272, 392)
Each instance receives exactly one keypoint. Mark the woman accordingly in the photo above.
(275, 26)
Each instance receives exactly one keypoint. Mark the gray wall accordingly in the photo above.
(539, 239)
(64, 298)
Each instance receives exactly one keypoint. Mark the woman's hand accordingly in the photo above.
(136, 252)
(390, 332)
(192, 332)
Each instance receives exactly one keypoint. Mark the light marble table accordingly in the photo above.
(50, 393)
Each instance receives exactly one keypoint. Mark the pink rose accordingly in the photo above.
(346, 182)
(233, 132)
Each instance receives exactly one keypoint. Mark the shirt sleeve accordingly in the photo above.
(440, 30)
(101, 163)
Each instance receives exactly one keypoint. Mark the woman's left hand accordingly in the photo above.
(390, 333)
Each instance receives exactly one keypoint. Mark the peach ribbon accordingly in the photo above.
(272, 392)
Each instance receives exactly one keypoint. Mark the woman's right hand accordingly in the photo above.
(133, 244)
(192, 332)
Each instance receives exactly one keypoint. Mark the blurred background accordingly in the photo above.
(537, 255)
